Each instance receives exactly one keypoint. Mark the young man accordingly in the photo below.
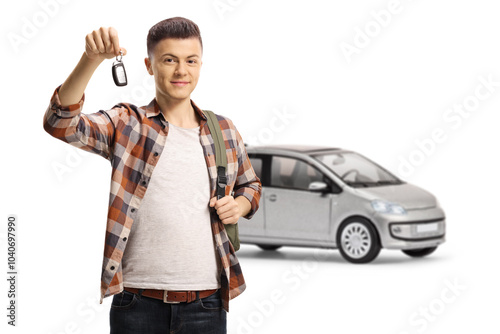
(167, 259)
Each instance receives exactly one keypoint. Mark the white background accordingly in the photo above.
(263, 58)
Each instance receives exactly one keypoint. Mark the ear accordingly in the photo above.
(147, 62)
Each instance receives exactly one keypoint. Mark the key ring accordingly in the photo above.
(120, 55)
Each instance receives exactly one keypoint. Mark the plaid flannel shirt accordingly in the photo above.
(132, 139)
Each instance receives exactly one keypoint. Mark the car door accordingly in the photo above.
(292, 211)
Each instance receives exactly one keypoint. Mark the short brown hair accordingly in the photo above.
(175, 27)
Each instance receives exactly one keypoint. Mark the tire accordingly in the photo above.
(419, 252)
(358, 240)
(268, 247)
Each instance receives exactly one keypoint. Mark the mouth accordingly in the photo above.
(179, 83)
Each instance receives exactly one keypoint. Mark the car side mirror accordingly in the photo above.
(318, 186)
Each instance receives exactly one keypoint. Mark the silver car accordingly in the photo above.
(334, 198)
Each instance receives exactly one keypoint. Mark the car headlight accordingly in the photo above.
(387, 207)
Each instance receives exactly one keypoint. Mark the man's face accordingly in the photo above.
(175, 64)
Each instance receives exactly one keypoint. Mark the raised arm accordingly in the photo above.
(63, 118)
(99, 45)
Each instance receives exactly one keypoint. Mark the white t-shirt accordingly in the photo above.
(171, 244)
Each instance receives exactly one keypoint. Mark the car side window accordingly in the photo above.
(257, 165)
(293, 173)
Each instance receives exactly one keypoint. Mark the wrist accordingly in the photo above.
(243, 205)
(94, 61)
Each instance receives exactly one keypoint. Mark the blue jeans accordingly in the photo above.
(132, 313)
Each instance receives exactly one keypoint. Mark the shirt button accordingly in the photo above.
(143, 183)
(156, 154)
(124, 239)
(132, 210)
(112, 268)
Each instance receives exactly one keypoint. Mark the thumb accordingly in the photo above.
(124, 51)
(212, 201)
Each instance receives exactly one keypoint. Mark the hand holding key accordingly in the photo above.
(100, 44)
(103, 44)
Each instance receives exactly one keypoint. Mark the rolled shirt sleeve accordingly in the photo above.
(90, 132)
(247, 182)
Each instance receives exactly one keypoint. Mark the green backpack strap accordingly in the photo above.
(220, 152)
(221, 163)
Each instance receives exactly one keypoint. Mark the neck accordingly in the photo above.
(178, 112)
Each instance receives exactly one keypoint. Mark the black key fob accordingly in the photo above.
(118, 70)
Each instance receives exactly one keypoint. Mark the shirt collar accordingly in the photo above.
(153, 109)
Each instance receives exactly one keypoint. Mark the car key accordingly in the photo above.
(118, 70)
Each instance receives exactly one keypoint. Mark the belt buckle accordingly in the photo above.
(165, 294)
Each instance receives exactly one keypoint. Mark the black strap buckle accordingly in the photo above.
(221, 182)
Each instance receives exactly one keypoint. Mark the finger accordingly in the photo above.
(113, 36)
(227, 211)
(90, 44)
(105, 40)
(123, 50)
(226, 216)
(219, 203)
(223, 200)
(98, 41)
(228, 221)
(229, 205)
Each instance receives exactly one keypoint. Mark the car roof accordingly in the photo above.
(306, 149)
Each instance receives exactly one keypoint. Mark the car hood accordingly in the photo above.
(407, 195)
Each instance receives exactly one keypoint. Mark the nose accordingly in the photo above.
(180, 70)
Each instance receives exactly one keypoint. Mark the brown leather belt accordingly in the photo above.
(173, 296)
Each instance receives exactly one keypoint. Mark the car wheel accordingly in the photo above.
(269, 247)
(358, 241)
(419, 252)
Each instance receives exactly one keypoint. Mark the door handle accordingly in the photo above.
(272, 197)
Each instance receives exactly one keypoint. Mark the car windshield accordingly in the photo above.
(356, 170)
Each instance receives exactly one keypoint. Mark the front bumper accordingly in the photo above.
(417, 229)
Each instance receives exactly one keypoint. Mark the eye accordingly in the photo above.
(192, 61)
(168, 60)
